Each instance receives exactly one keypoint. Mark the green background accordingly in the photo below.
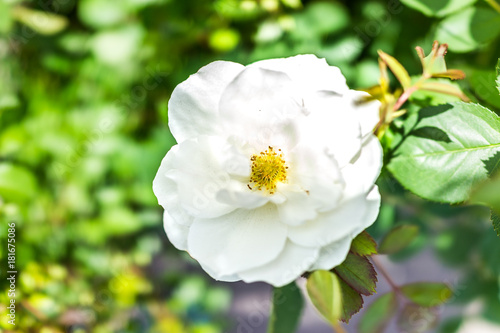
(84, 87)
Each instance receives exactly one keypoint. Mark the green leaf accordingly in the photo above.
(437, 8)
(398, 238)
(287, 307)
(352, 301)
(364, 245)
(358, 272)
(446, 171)
(16, 183)
(397, 69)
(492, 164)
(469, 29)
(495, 220)
(378, 314)
(427, 294)
(431, 133)
(324, 290)
(482, 84)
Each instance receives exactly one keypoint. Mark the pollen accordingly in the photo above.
(268, 168)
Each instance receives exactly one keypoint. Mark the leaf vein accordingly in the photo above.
(455, 151)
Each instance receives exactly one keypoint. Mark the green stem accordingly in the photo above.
(494, 4)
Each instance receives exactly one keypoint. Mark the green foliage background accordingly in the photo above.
(84, 87)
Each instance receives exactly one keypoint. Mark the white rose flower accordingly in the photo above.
(274, 171)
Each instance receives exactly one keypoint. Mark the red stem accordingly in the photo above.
(384, 273)
(404, 97)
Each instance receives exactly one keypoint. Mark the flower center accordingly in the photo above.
(268, 168)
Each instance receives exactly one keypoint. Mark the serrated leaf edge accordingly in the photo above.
(373, 274)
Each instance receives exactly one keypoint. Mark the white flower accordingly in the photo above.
(274, 171)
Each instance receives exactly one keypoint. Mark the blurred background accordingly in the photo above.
(84, 87)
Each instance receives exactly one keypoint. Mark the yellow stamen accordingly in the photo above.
(268, 168)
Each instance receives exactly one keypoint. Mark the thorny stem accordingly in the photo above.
(494, 4)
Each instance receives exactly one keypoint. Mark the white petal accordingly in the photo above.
(238, 195)
(335, 253)
(177, 233)
(164, 188)
(331, 125)
(332, 254)
(194, 167)
(371, 213)
(328, 103)
(316, 173)
(237, 161)
(333, 225)
(367, 113)
(165, 191)
(218, 277)
(298, 208)
(193, 106)
(238, 241)
(258, 105)
(290, 264)
(313, 73)
(363, 171)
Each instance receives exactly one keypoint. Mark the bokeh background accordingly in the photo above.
(84, 87)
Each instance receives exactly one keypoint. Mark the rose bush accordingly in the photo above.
(274, 171)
